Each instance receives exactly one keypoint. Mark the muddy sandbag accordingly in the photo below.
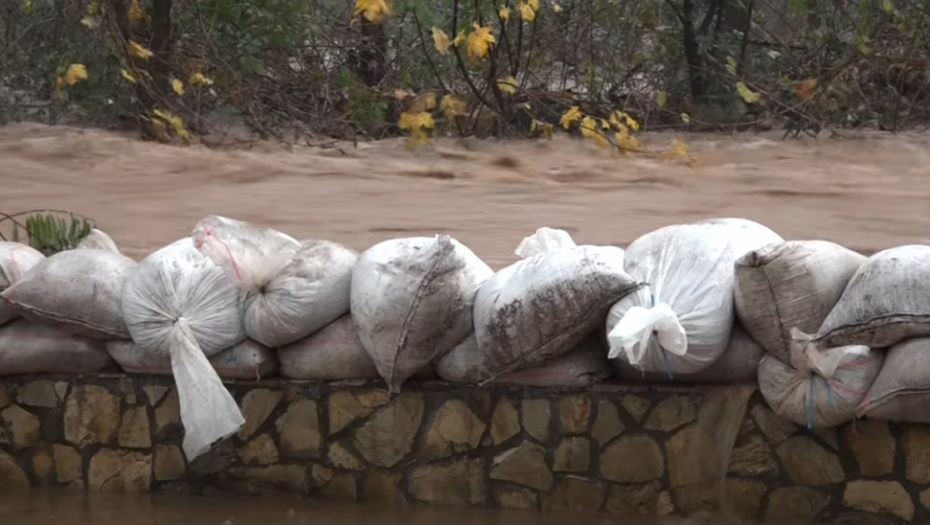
(546, 304)
(792, 284)
(819, 389)
(584, 366)
(247, 360)
(98, 240)
(739, 363)
(901, 392)
(15, 260)
(679, 322)
(28, 348)
(76, 291)
(886, 301)
(412, 302)
(178, 303)
(292, 288)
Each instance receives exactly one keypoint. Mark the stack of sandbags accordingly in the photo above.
(71, 302)
(246, 360)
(412, 301)
(886, 302)
(583, 366)
(292, 289)
(680, 321)
(543, 306)
(178, 304)
(739, 363)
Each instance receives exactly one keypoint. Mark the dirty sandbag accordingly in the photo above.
(901, 392)
(292, 288)
(177, 301)
(545, 305)
(247, 360)
(585, 365)
(885, 302)
(15, 260)
(544, 240)
(98, 240)
(333, 353)
(739, 363)
(28, 348)
(77, 291)
(679, 322)
(819, 388)
(792, 284)
(412, 302)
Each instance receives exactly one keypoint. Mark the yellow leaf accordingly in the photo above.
(135, 12)
(661, 98)
(557, 8)
(627, 142)
(479, 42)
(374, 11)
(888, 5)
(416, 123)
(441, 40)
(175, 122)
(534, 4)
(177, 86)
(686, 118)
(459, 38)
(749, 96)
(731, 65)
(451, 106)
(91, 22)
(805, 88)
(605, 124)
(507, 84)
(212, 92)
(93, 8)
(27, 5)
(526, 11)
(75, 73)
(504, 13)
(679, 149)
(199, 79)
(573, 114)
(422, 104)
(546, 129)
(127, 75)
(58, 83)
(773, 54)
(589, 129)
(137, 50)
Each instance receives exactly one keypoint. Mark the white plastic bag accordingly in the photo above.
(98, 240)
(791, 284)
(293, 289)
(247, 360)
(819, 389)
(77, 291)
(27, 348)
(680, 321)
(544, 305)
(412, 301)
(178, 301)
(15, 260)
(887, 301)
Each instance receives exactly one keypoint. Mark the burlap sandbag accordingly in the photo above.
(901, 392)
(792, 284)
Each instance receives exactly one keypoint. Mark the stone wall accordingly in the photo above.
(639, 450)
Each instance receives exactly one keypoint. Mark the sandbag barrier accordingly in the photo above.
(828, 334)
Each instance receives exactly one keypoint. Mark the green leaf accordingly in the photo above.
(661, 98)
(749, 96)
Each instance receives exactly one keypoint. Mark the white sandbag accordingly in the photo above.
(98, 240)
(819, 389)
(178, 301)
(739, 363)
(886, 302)
(77, 291)
(247, 360)
(546, 304)
(15, 260)
(293, 289)
(585, 365)
(901, 392)
(680, 321)
(28, 348)
(412, 302)
(792, 284)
